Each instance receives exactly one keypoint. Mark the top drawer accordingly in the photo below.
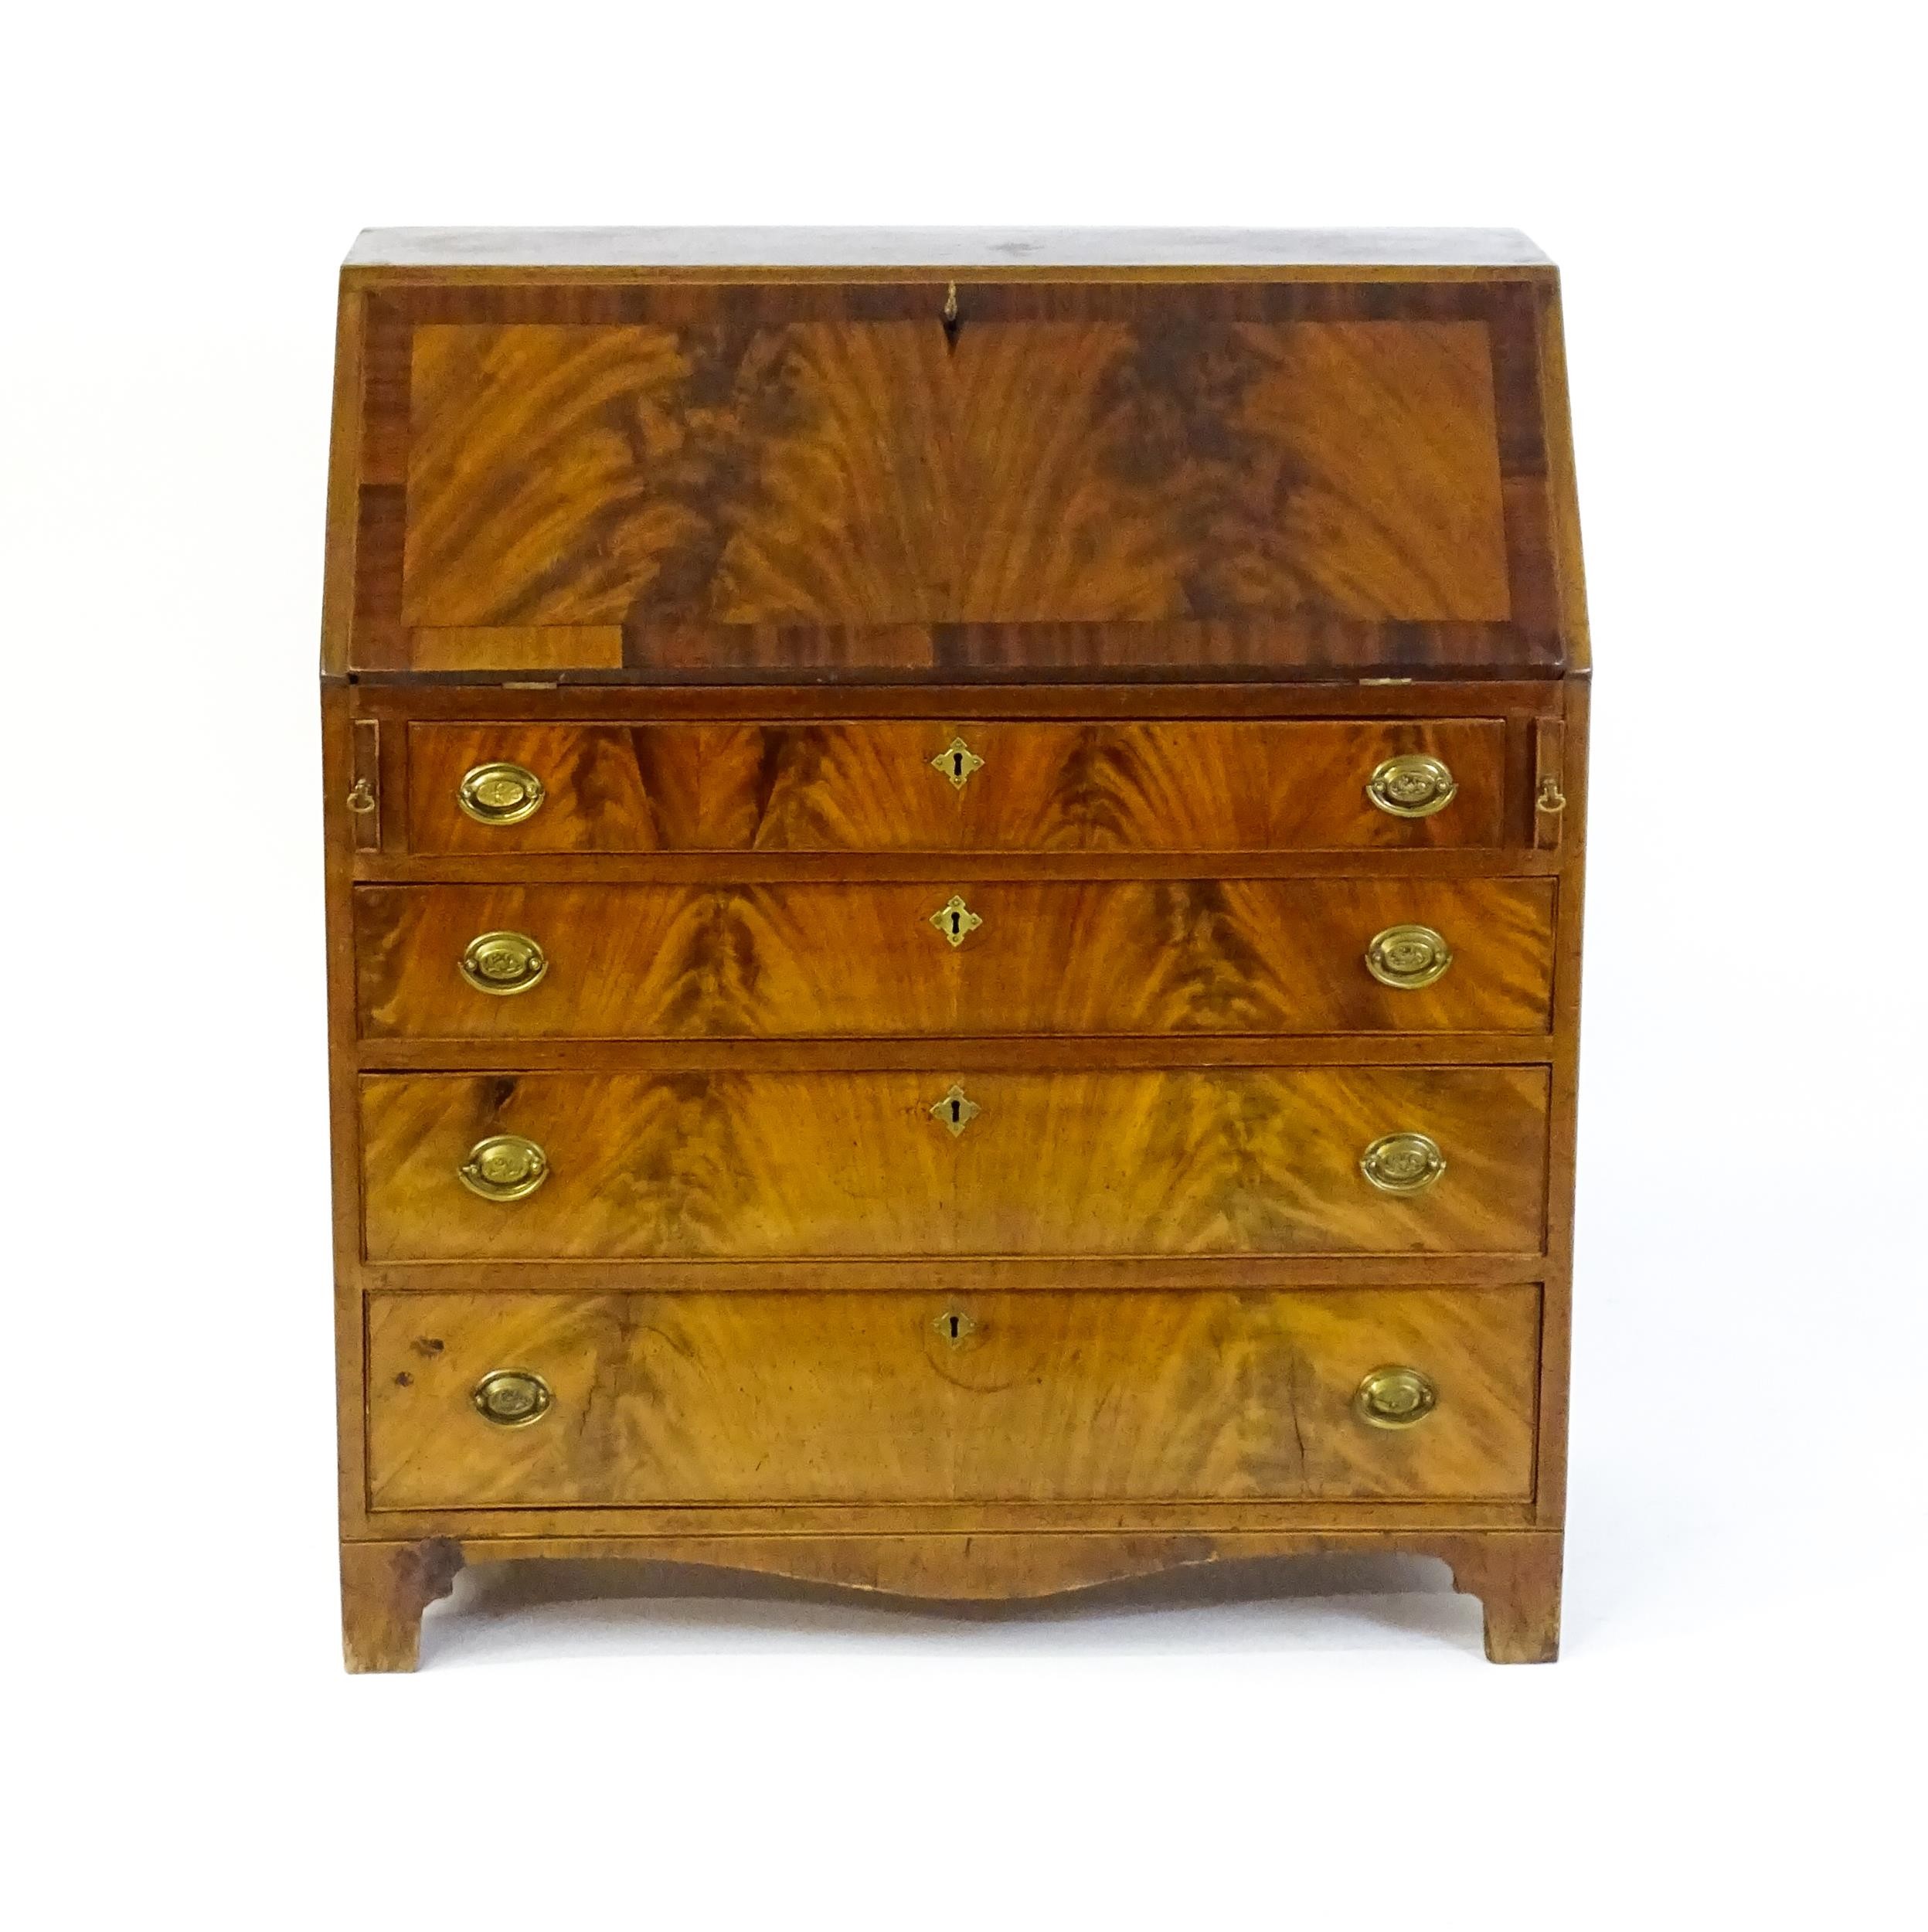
(936, 785)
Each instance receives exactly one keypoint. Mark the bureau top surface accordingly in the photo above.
(1482, 251)
(817, 455)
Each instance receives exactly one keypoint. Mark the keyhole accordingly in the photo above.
(955, 1328)
(956, 765)
(956, 1113)
(953, 925)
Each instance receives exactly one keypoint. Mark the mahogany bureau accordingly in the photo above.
(953, 892)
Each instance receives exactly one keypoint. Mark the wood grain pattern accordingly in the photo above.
(1517, 1572)
(1517, 1579)
(1162, 957)
(748, 1165)
(884, 474)
(686, 1398)
(526, 647)
(1387, 700)
(868, 786)
(385, 1588)
(1183, 534)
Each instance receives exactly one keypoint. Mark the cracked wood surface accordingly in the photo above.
(748, 1165)
(747, 1398)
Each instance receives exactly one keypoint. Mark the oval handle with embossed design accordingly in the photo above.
(1402, 1163)
(503, 963)
(1407, 957)
(1412, 786)
(505, 1167)
(1394, 1397)
(511, 1398)
(500, 794)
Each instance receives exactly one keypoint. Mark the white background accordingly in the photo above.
(1734, 1732)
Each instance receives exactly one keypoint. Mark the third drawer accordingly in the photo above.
(750, 1166)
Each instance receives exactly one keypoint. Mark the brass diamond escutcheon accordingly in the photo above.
(957, 1110)
(956, 920)
(957, 761)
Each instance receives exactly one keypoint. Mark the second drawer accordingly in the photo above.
(1139, 956)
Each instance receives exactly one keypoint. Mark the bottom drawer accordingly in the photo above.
(753, 1397)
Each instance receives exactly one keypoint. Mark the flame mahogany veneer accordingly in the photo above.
(953, 879)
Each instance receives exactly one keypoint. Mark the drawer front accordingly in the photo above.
(751, 1398)
(891, 787)
(643, 962)
(820, 1165)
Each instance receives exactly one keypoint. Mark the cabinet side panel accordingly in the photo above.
(1550, 1490)
(344, 490)
(344, 1105)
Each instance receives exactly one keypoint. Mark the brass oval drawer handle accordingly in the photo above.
(1402, 1163)
(1412, 786)
(1408, 956)
(503, 963)
(500, 794)
(361, 798)
(957, 761)
(1394, 1397)
(511, 1398)
(956, 920)
(504, 1167)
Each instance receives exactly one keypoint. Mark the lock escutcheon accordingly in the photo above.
(955, 1111)
(956, 920)
(957, 761)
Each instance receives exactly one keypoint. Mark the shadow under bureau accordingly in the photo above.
(953, 887)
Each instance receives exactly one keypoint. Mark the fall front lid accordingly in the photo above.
(1003, 474)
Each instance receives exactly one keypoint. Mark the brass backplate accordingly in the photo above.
(956, 1111)
(1412, 786)
(503, 963)
(957, 761)
(1394, 1397)
(505, 1167)
(1407, 958)
(500, 794)
(956, 920)
(511, 1398)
